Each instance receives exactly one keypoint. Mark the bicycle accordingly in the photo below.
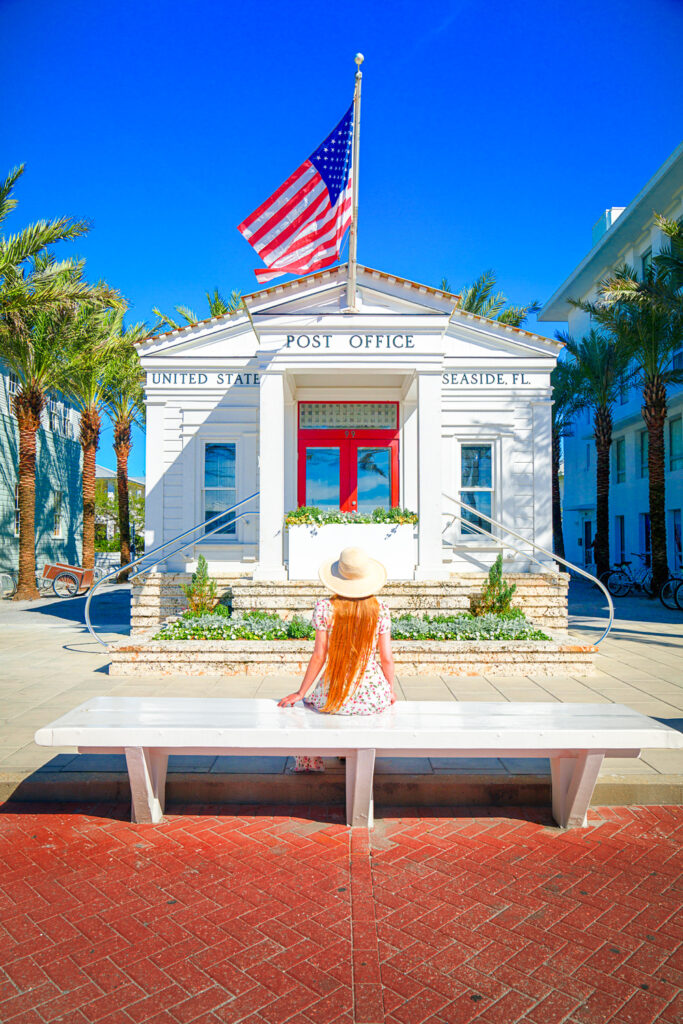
(668, 590)
(9, 580)
(623, 580)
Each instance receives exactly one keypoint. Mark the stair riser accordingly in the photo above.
(543, 598)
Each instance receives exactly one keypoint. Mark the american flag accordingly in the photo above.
(299, 229)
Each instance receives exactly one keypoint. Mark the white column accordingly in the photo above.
(430, 559)
(271, 477)
(154, 470)
(542, 469)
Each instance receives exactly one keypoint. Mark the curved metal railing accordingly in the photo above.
(537, 547)
(160, 547)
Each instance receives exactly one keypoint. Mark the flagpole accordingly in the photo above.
(353, 240)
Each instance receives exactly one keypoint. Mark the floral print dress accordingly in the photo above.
(371, 695)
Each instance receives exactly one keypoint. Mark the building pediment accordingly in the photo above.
(309, 316)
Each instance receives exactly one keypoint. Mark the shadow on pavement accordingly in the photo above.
(109, 611)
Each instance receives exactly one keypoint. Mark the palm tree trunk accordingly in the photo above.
(90, 439)
(558, 536)
(122, 446)
(28, 424)
(602, 423)
(654, 413)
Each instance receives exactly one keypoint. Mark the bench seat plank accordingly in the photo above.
(576, 738)
(205, 722)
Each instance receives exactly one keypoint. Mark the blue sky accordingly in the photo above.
(493, 134)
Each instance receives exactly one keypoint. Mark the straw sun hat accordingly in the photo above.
(353, 574)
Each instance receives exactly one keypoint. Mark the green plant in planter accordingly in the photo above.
(497, 594)
(201, 592)
(311, 515)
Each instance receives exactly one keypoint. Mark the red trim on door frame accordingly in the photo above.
(348, 440)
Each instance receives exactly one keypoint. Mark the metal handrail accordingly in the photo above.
(160, 547)
(489, 536)
(537, 547)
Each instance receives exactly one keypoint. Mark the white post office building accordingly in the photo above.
(404, 401)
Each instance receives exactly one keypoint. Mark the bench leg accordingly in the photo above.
(360, 767)
(147, 774)
(573, 780)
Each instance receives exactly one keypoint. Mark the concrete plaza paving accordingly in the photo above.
(50, 664)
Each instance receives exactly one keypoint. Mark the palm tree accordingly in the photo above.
(662, 288)
(479, 298)
(124, 402)
(92, 339)
(565, 406)
(601, 371)
(217, 307)
(36, 291)
(36, 358)
(29, 282)
(648, 333)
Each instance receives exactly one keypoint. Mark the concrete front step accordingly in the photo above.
(542, 597)
(397, 785)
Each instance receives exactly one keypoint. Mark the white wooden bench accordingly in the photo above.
(575, 737)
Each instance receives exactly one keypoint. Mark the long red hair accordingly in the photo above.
(350, 647)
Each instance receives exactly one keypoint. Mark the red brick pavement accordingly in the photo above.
(267, 917)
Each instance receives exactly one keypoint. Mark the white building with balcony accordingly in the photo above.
(622, 235)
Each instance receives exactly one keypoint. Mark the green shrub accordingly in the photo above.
(300, 628)
(311, 515)
(496, 596)
(260, 625)
(201, 592)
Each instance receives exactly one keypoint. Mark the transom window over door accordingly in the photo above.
(219, 483)
(476, 486)
(348, 455)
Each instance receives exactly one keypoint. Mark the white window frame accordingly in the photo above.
(620, 541)
(617, 442)
(676, 551)
(643, 443)
(12, 383)
(679, 457)
(475, 539)
(17, 513)
(643, 530)
(57, 506)
(219, 538)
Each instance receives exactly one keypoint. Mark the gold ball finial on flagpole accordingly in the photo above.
(359, 58)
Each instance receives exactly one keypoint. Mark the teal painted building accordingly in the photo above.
(59, 526)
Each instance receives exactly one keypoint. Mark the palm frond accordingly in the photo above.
(187, 314)
(517, 315)
(36, 237)
(163, 320)
(7, 200)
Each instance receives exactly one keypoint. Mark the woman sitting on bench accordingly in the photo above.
(350, 628)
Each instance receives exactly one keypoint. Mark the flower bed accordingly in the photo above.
(311, 515)
(262, 626)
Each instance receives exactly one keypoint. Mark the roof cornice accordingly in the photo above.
(667, 182)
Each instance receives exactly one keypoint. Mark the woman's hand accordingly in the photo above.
(393, 696)
(287, 702)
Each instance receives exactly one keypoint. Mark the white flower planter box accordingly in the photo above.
(393, 544)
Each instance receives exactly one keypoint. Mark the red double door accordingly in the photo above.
(353, 470)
